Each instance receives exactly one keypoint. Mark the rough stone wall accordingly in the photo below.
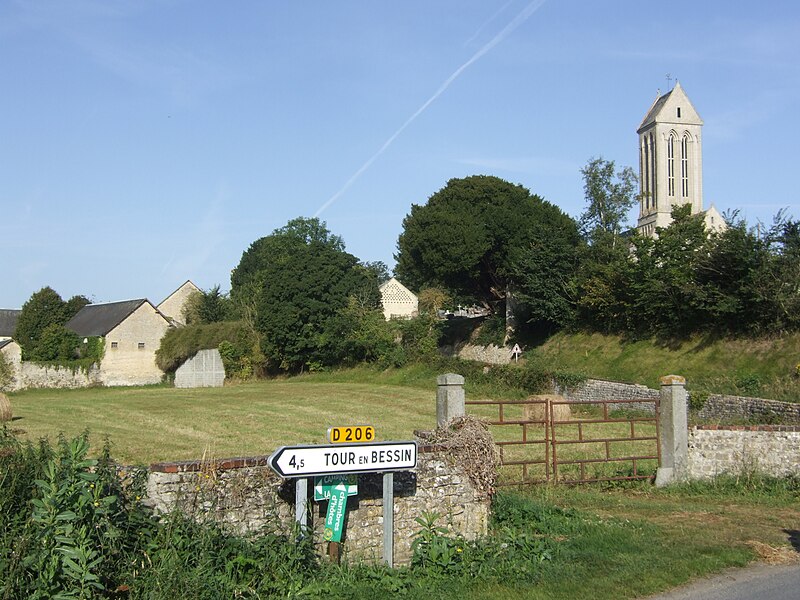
(204, 369)
(13, 356)
(720, 407)
(769, 449)
(246, 495)
(33, 375)
(717, 407)
(599, 389)
(128, 363)
(491, 354)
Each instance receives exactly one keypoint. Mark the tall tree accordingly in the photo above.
(481, 238)
(42, 309)
(609, 197)
(299, 278)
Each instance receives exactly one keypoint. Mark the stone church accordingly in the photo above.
(671, 163)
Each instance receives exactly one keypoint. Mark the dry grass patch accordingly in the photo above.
(774, 555)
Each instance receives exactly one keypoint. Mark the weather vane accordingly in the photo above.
(669, 81)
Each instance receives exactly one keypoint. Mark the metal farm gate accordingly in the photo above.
(572, 442)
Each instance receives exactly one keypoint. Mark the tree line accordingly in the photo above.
(299, 301)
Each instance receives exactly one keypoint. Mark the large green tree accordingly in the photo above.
(610, 195)
(298, 279)
(486, 240)
(42, 310)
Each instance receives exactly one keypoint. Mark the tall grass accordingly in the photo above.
(748, 367)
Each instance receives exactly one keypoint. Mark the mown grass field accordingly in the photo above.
(616, 540)
(151, 424)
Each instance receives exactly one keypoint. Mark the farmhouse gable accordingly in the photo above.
(173, 305)
(132, 332)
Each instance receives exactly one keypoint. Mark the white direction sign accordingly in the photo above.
(375, 457)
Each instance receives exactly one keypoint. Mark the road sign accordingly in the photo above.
(325, 485)
(375, 457)
(515, 352)
(357, 433)
(334, 518)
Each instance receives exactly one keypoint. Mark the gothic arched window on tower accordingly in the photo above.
(685, 166)
(653, 181)
(671, 165)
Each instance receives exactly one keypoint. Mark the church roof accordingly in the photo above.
(658, 110)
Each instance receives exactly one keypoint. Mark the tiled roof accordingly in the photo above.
(8, 321)
(99, 319)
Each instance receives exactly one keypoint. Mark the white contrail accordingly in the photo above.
(505, 32)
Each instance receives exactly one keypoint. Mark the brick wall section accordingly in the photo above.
(770, 449)
(245, 494)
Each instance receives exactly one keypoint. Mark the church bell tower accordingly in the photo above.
(670, 160)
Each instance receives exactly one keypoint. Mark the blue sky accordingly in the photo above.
(146, 143)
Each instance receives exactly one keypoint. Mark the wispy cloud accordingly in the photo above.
(488, 22)
(503, 34)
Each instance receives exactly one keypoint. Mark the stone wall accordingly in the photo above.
(769, 449)
(245, 494)
(12, 355)
(599, 389)
(204, 369)
(491, 354)
(735, 408)
(717, 407)
(33, 375)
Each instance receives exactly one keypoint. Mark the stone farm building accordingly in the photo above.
(173, 305)
(132, 332)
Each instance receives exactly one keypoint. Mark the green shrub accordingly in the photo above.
(491, 331)
(69, 527)
(181, 343)
(748, 384)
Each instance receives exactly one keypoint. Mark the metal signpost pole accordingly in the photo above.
(388, 519)
(300, 500)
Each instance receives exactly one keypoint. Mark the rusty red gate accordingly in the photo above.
(547, 440)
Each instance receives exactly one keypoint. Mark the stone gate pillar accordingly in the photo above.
(673, 431)
(449, 398)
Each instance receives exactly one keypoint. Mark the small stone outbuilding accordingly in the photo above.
(398, 301)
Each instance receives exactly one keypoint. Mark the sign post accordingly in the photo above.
(333, 465)
(515, 352)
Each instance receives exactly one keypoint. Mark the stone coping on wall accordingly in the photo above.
(773, 428)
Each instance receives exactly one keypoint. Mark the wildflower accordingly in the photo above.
(97, 504)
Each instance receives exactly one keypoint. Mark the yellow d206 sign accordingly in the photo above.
(349, 435)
